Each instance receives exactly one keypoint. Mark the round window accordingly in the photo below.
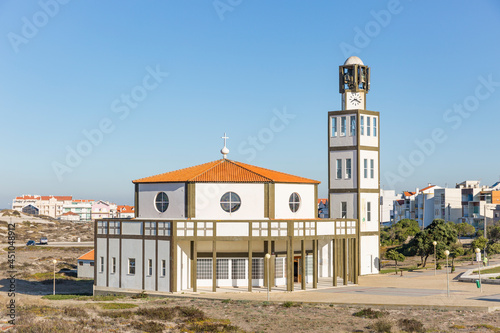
(230, 202)
(161, 202)
(294, 202)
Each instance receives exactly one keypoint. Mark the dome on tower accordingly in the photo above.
(353, 61)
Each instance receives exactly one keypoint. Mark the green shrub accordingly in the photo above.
(117, 314)
(210, 325)
(148, 326)
(411, 325)
(382, 326)
(288, 304)
(141, 295)
(116, 306)
(370, 313)
(161, 313)
(191, 313)
(74, 312)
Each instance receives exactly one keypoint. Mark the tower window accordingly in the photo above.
(334, 126)
(374, 126)
(339, 169)
(368, 126)
(362, 123)
(294, 202)
(343, 125)
(348, 168)
(353, 125)
(343, 207)
(368, 211)
(230, 202)
(372, 169)
(365, 169)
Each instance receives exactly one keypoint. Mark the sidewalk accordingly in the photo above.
(418, 289)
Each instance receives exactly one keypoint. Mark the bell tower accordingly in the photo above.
(354, 163)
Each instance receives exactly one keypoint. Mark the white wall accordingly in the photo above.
(131, 248)
(114, 251)
(208, 197)
(369, 255)
(371, 140)
(150, 253)
(368, 182)
(164, 254)
(307, 208)
(176, 197)
(348, 139)
(373, 224)
(101, 252)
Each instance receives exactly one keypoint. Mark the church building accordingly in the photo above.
(229, 224)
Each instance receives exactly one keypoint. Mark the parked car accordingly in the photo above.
(30, 243)
(44, 241)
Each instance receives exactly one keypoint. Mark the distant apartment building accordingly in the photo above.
(81, 207)
(125, 212)
(70, 216)
(323, 209)
(424, 205)
(103, 210)
(48, 205)
(387, 202)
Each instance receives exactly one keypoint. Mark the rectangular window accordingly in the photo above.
(365, 162)
(362, 123)
(238, 269)
(101, 264)
(222, 269)
(80, 263)
(279, 264)
(92, 264)
(348, 168)
(334, 126)
(131, 265)
(353, 125)
(150, 267)
(257, 268)
(372, 169)
(343, 209)
(163, 267)
(113, 265)
(368, 211)
(343, 126)
(203, 269)
(368, 126)
(339, 169)
(374, 126)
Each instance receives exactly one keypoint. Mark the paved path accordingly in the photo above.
(418, 289)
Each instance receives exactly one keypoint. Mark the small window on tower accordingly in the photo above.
(368, 126)
(374, 126)
(353, 125)
(362, 123)
(334, 126)
(339, 169)
(343, 125)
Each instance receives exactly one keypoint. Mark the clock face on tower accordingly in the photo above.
(355, 101)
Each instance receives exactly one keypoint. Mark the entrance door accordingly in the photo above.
(297, 276)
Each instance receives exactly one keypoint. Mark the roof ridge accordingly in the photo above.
(245, 168)
(267, 169)
(206, 170)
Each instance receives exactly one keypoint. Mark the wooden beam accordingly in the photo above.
(334, 261)
(303, 266)
(345, 244)
(194, 266)
(250, 258)
(315, 263)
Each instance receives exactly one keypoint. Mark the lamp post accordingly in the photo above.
(434, 243)
(54, 289)
(268, 256)
(447, 253)
(478, 251)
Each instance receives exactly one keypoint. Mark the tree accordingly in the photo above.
(493, 233)
(494, 248)
(456, 250)
(479, 242)
(396, 256)
(442, 232)
(464, 229)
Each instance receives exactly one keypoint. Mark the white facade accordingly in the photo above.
(387, 198)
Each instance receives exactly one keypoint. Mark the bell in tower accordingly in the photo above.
(354, 83)
(354, 76)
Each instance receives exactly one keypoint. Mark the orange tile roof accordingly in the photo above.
(69, 213)
(426, 188)
(323, 201)
(225, 171)
(125, 209)
(87, 256)
(408, 194)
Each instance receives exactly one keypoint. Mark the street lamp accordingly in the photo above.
(434, 243)
(268, 256)
(54, 290)
(447, 253)
(478, 256)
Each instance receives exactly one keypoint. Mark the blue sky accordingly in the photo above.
(253, 69)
